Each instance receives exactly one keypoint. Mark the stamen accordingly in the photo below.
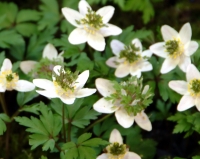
(194, 87)
(116, 150)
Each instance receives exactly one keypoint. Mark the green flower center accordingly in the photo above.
(130, 53)
(194, 87)
(92, 21)
(9, 77)
(116, 149)
(174, 47)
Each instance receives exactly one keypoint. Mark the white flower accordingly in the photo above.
(117, 150)
(176, 49)
(129, 59)
(62, 87)
(105, 88)
(10, 80)
(49, 52)
(190, 89)
(92, 26)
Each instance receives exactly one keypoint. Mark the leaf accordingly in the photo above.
(82, 61)
(27, 15)
(86, 152)
(95, 142)
(25, 97)
(49, 145)
(84, 137)
(26, 29)
(2, 57)
(68, 145)
(3, 118)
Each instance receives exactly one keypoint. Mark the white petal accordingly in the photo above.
(44, 84)
(110, 29)
(48, 94)
(27, 66)
(78, 36)
(104, 106)
(185, 33)
(146, 66)
(57, 68)
(168, 32)
(123, 118)
(146, 53)
(112, 62)
(185, 103)
(143, 121)
(96, 41)
(146, 88)
(7, 65)
(179, 86)
(67, 100)
(2, 88)
(72, 15)
(197, 103)
(131, 155)
(192, 73)
(60, 57)
(115, 136)
(137, 43)
(184, 63)
(122, 71)
(168, 65)
(83, 7)
(50, 52)
(24, 86)
(135, 72)
(116, 46)
(190, 48)
(159, 49)
(82, 79)
(103, 156)
(105, 87)
(106, 13)
(85, 92)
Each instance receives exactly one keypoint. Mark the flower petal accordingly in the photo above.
(145, 89)
(78, 36)
(103, 156)
(44, 84)
(82, 79)
(184, 63)
(2, 88)
(168, 32)
(122, 71)
(96, 41)
(104, 106)
(135, 71)
(67, 100)
(143, 121)
(48, 94)
(57, 68)
(178, 86)
(27, 66)
(168, 65)
(104, 86)
(146, 53)
(115, 136)
(137, 43)
(7, 65)
(106, 13)
(50, 52)
(190, 48)
(123, 118)
(24, 86)
(146, 66)
(159, 49)
(83, 7)
(85, 92)
(131, 155)
(185, 103)
(72, 15)
(192, 73)
(60, 57)
(110, 29)
(112, 62)
(117, 46)
(185, 33)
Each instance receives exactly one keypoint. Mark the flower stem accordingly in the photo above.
(3, 103)
(63, 121)
(69, 131)
(97, 121)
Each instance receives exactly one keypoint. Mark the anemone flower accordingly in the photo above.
(92, 26)
(176, 48)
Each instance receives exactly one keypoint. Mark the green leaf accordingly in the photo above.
(3, 118)
(49, 145)
(25, 97)
(31, 109)
(68, 145)
(2, 57)
(27, 15)
(196, 157)
(82, 61)
(95, 142)
(72, 153)
(26, 29)
(86, 152)
(84, 137)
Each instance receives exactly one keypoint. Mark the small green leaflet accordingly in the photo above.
(3, 118)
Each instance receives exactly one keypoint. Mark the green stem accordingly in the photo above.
(3, 103)
(69, 131)
(63, 121)
(97, 121)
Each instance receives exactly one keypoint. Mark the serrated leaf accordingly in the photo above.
(68, 145)
(28, 15)
(84, 137)
(86, 152)
(49, 145)
(72, 153)
(95, 142)
(26, 29)
(37, 139)
(3, 118)
(25, 97)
